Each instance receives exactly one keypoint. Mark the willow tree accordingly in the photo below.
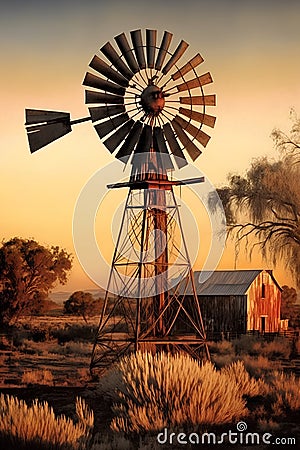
(263, 206)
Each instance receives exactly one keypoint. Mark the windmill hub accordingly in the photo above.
(152, 99)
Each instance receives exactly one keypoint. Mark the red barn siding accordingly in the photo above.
(263, 309)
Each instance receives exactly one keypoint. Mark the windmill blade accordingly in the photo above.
(140, 159)
(102, 112)
(208, 100)
(123, 45)
(175, 57)
(190, 65)
(159, 143)
(96, 82)
(39, 116)
(41, 135)
(44, 127)
(145, 141)
(163, 50)
(137, 42)
(110, 125)
(130, 142)
(99, 97)
(151, 47)
(174, 146)
(100, 66)
(206, 119)
(115, 59)
(195, 82)
(198, 134)
(191, 148)
(116, 138)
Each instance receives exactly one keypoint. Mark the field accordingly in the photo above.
(47, 358)
(61, 345)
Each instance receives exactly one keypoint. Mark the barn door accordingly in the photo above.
(263, 324)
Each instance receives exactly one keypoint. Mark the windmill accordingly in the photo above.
(149, 108)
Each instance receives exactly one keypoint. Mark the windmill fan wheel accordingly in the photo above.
(146, 99)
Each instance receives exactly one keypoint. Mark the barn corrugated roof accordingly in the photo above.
(225, 282)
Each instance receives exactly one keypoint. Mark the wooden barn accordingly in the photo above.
(238, 301)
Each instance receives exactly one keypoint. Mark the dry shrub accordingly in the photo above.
(221, 347)
(157, 391)
(265, 425)
(36, 426)
(248, 345)
(5, 342)
(237, 374)
(32, 348)
(223, 360)
(279, 347)
(37, 376)
(18, 336)
(259, 365)
(259, 413)
(285, 389)
(277, 407)
(72, 348)
(74, 333)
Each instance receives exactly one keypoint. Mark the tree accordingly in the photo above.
(81, 303)
(264, 204)
(289, 144)
(28, 271)
(289, 309)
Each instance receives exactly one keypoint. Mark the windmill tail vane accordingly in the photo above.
(44, 127)
(148, 106)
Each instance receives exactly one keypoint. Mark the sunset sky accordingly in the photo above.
(251, 49)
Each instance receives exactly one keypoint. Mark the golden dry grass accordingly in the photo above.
(37, 376)
(154, 391)
(246, 384)
(285, 390)
(38, 427)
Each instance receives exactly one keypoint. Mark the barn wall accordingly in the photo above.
(263, 311)
(224, 313)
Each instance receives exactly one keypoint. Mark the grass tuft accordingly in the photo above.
(154, 391)
(38, 376)
(37, 427)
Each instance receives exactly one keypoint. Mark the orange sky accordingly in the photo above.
(251, 48)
